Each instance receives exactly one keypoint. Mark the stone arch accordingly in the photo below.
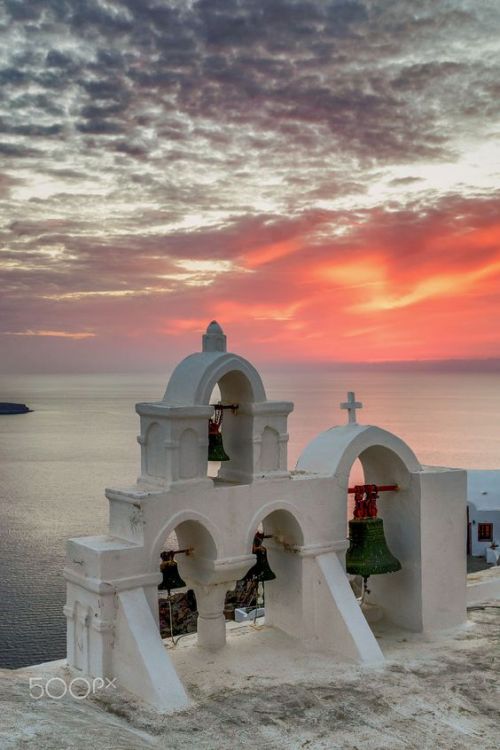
(333, 452)
(292, 522)
(209, 546)
(386, 459)
(194, 379)
(284, 594)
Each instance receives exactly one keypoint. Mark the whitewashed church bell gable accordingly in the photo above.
(174, 431)
(216, 398)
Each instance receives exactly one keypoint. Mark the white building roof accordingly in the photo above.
(483, 489)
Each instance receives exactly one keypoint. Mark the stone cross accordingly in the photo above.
(351, 405)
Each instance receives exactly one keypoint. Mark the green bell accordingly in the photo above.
(170, 572)
(261, 571)
(368, 553)
(216, 450)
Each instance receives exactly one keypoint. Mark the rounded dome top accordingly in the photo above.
(214, 339)
(214, 327)
(194, 378)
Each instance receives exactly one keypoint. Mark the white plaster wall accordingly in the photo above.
(189, 464)
(90, 630)
(155, 450)
(444, 564)
(269, 450)
(231, 513)
(140, 661)
(104, 558)
(283, 596)
(400, 594)
(333, 618)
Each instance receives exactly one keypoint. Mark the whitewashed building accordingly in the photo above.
(483, 513)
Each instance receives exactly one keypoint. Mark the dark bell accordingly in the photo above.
(171, 578)
(368, 553)
(216, 450)
(261, 571)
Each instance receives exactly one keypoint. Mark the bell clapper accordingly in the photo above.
(365, 591)
(259, 602)
(171, 618)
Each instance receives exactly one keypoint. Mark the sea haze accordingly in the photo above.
(56, 462)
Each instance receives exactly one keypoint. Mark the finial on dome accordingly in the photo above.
(214, 339)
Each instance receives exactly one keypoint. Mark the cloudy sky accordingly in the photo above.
(322, 177)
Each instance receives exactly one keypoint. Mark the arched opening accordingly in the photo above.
(213, 467)
(280, 534)
(234, 389)
(389, 592)
(356, 476)
(181, 553)
(383, 467)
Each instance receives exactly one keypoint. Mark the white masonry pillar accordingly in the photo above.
(211, 621)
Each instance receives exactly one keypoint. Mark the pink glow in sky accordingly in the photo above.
(321, 177)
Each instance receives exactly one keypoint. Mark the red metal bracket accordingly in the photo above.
(365, 498)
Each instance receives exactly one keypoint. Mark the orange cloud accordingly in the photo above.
(366, 270)
(475, 238)
(388, 288)
(235, 311)
(440, 285)
(274, 251)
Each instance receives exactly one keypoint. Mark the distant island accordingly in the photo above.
(7, 408)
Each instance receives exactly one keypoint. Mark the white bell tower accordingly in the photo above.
(112, 580)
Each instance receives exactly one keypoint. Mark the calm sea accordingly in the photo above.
(56, 462)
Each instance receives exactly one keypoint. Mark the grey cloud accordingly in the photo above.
(405, 181)
(57, 59)
(106, 18)
(21, 11)
(100, 127)
(222, 59)
(32, 129)
(417, 77)
(7, 182)
(66, 174)
(137, 150)
(42, 103)
(104, 88)
(20, 151)
(12, 76)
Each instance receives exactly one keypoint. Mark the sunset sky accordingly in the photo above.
(320, 177)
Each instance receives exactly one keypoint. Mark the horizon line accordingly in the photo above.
(491, 364)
